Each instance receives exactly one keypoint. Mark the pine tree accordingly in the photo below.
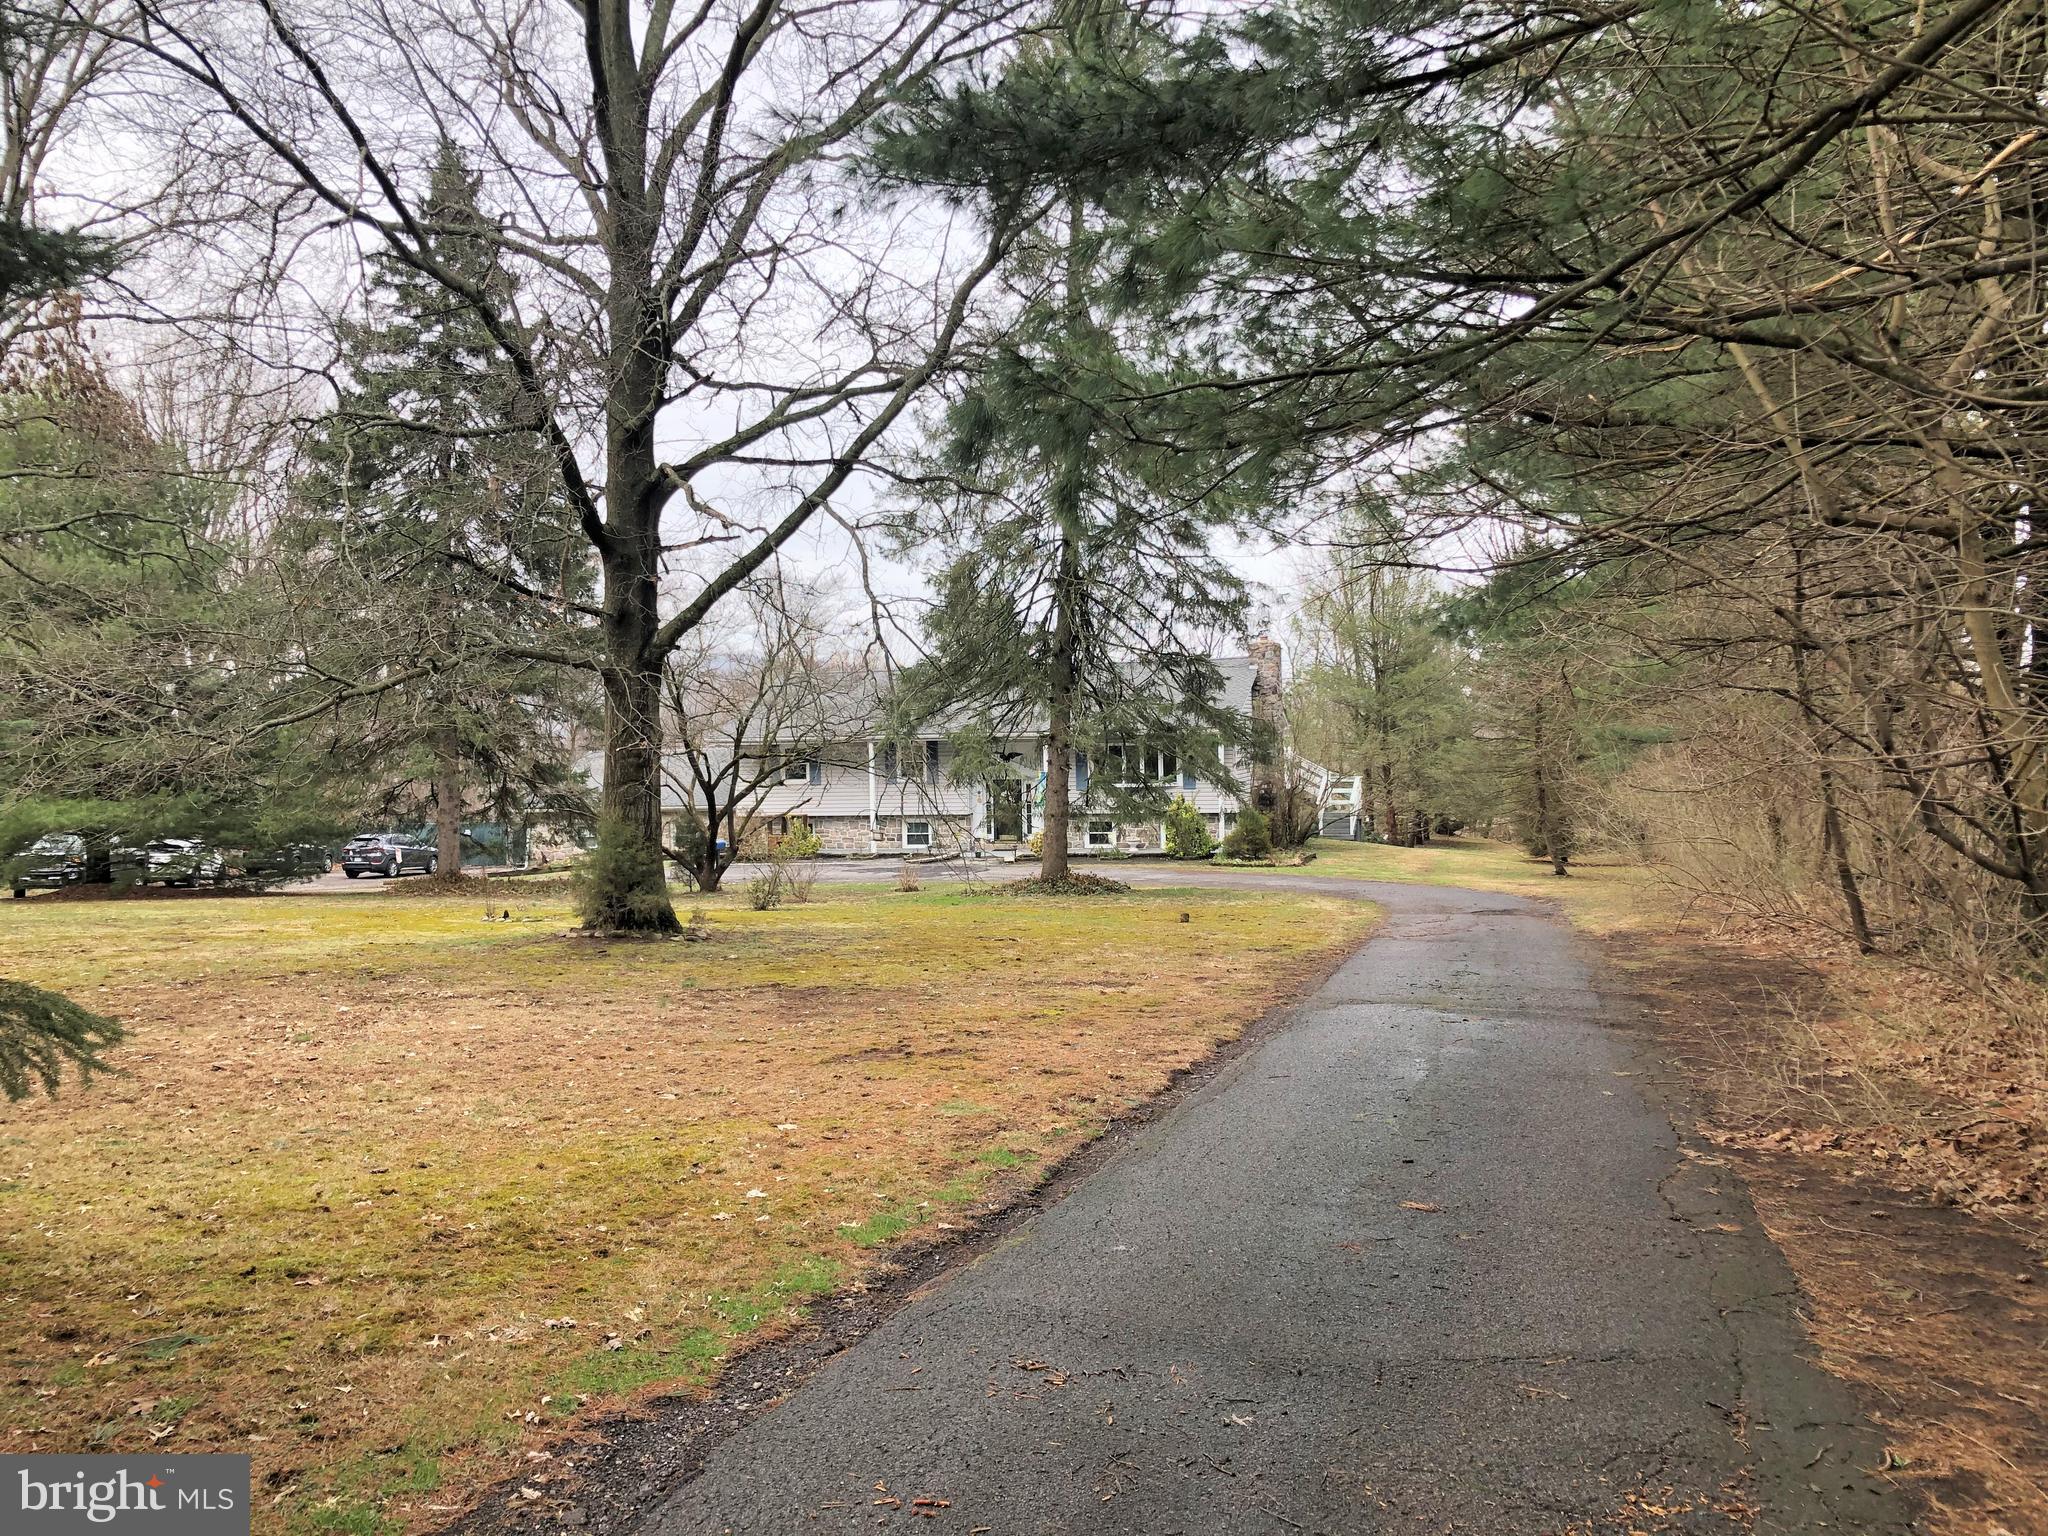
(1552, 690)
(432, 501)
(139, 646)
(40, 1032)
(1078, 580)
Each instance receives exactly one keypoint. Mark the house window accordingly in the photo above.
(1101, 834)
(917, 834)
(887, 762)
(797, 771)
(1144, 765)
(931, 762)
(778, 826)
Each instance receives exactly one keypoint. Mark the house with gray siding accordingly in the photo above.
(866, 795)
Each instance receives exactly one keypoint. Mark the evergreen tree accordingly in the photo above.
(433, 505)
(1552, 692)
(42, 1031)
(141, 649)
(1078, 583)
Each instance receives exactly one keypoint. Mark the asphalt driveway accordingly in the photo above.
(1431, 1258)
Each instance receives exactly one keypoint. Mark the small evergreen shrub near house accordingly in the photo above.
(794, 859)
(1251, 838)
(622, 887)
(800, 842)
(1187, 831)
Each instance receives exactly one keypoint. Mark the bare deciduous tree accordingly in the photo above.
(715, 324)
(748, 698)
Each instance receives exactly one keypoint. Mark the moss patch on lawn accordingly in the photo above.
(384, 1192)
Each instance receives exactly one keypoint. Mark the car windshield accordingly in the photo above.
(56, 843)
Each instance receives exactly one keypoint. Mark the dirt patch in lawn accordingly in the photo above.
(390, 1195)
(1919, 1247)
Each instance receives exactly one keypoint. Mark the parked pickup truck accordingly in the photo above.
(59, 860)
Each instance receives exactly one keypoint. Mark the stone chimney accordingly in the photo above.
(1266, 711)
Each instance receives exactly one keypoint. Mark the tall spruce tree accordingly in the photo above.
(142, 648)
(433, 506)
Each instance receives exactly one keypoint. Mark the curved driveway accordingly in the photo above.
(1430, 1259)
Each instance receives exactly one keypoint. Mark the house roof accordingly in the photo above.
(863, 702)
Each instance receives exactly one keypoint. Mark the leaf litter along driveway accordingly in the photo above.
(387, 1192)
(1430, 1258)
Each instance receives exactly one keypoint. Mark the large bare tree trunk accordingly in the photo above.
(632, 784)
(1834, 838)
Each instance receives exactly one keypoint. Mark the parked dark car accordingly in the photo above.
(388, 854)
(294, 859)
(59, 860)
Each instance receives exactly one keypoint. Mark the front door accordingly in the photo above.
(1006, 810)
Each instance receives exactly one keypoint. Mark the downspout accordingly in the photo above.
(874, 825)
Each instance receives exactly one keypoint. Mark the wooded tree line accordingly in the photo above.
(1726, 320)
(1701, 339)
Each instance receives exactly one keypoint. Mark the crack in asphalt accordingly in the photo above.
(1250, 1331)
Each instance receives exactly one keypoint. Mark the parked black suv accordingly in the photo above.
(387, 854)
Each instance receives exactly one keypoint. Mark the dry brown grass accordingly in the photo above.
(1817, 1078)
(389, 1189)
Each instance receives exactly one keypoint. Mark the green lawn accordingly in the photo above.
(389, 1188)
(1601, 894)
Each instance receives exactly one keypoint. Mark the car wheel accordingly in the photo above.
(433, 864)
(20, 891)
(352, 873)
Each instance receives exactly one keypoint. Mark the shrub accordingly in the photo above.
(1187, 831)
(1251, 838)
(803, 841)
(1037, 845)
(906, 877)
(766, 890)
(621, 887)
(795, 856)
